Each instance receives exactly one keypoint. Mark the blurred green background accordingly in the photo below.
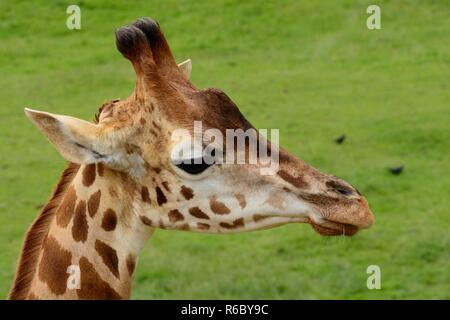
(310, 68)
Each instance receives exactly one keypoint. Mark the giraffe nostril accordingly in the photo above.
(340, 188)
(344, 191)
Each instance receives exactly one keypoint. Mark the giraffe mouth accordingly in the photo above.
(332, 228)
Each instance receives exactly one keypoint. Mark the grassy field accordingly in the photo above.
(310, 68)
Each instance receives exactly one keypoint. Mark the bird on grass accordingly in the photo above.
(340, 139)
(396, 170)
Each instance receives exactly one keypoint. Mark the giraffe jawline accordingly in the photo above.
(332, 228)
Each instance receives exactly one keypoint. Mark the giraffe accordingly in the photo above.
(121, 183)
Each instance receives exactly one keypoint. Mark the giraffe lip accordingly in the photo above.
(333, 228)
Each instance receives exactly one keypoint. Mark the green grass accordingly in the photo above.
(310, 68)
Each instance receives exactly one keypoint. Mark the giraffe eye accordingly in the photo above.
(194, 166)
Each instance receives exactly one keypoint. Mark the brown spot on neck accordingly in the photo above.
(145, 195)
(241, 199)
(109, 257)
(175, 216)
(109, 220)
(259, 217)
(131, 264)
(203, 226)
(94, 203)
(92, 285)
(196, 212)
(298, 181)
(80, 226)
(146, 221)
(160, 197)
(100, 169)
(187, 192)
(66, 209)
(89, 174)
(166, 186)
(53, 266)
(217, 206)
(236, 224)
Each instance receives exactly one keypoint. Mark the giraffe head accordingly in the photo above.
(135, 138)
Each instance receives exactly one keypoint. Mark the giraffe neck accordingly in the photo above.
(94, 234)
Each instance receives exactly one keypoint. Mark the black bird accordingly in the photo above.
(340, 139)
(397, 170)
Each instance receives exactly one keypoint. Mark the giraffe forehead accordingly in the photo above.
(181, 108)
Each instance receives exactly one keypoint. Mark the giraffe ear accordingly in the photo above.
(186, 67)
(76, 140)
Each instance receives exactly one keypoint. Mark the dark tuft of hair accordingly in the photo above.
(149, 27)
(130, 41)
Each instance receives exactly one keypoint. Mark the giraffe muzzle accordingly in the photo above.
(330, 228)
(346, 222)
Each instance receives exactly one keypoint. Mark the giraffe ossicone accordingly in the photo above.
(122, 182)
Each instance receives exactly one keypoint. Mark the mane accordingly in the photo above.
(36, 234)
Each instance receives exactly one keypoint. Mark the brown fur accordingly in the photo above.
(322, 200)
(145, 195)
(259, 217)
(166, 186)
(92, 285)
(67, 208)
(236, 224)
(131, 264)
(89, 174)
(80, 226)
(175, 216)
(160, 197)
(100, 169)
(53, 266)
(241, 199)
(203, 226)
(196, 212)
(298, 182)
(109, 220)
(33, 240)
(109, 257)
(187, 193)
(94, 203)
(146, 221)
(217, 206)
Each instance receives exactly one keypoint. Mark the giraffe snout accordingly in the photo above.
(365, 219)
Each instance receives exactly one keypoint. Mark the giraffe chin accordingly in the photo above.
(331, 228)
